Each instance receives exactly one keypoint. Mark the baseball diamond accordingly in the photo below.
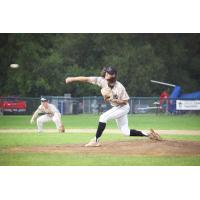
(20, 144)
(138, 147)
(99, 99)
(89, 98)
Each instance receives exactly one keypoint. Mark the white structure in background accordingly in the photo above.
(187, 105)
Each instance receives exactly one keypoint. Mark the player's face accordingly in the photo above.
(45, 104)
(109, 76)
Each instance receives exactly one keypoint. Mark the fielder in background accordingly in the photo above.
(114, 93)
(50, 113)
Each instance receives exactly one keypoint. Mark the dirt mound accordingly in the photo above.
(128, 148)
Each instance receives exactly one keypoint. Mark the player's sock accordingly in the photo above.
(136, 133)
(100, 129)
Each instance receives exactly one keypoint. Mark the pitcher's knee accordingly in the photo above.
(125, 131)
(103, 118)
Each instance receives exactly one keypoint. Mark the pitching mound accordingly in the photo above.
(128, 148)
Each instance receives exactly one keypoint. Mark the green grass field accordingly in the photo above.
(168, 122)
(26, 139)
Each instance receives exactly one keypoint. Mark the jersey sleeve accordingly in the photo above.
(96, 81)
(124, 95)
(53, 109)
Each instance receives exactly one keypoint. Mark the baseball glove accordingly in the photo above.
(62, 129)
(106, 93)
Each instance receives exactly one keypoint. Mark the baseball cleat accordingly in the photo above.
(93, 143)
(61, 129)
(154, 136)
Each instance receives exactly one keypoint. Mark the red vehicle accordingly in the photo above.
(12, 105)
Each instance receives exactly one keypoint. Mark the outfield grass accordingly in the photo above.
(165, 122)
(8, 140)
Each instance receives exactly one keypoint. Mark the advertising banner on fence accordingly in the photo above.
(188, 105)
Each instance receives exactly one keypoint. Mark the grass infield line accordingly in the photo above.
(161, 132)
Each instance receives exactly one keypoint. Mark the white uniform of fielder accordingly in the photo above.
(50, 113)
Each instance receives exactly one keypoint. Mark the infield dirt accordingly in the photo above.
(135, 147)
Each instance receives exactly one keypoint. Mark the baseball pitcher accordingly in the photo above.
(114, 93)
(50, 113)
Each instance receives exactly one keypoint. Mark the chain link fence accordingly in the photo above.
(84, 105)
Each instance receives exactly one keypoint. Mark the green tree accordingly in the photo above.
(46, 59)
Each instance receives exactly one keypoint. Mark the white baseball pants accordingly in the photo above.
(56, 118)
(120, 114)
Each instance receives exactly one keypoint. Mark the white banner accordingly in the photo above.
(187, 104)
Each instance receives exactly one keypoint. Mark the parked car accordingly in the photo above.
(12, 105)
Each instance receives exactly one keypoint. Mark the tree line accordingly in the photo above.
(46, 59)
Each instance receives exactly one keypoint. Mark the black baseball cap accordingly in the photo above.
(111, 70)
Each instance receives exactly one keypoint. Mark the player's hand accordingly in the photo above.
(68, 80)
(32, 121)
